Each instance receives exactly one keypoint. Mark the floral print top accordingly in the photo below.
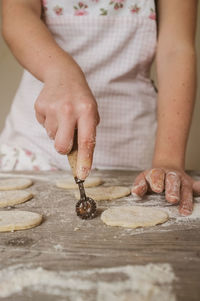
(56, 8)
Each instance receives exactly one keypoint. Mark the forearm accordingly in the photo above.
(176, 85)
(31, 42)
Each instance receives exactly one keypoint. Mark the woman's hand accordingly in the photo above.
(179, 187)
(176, 74)
(66, 103)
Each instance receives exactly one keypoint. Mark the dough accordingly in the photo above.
(18, 220)
(11, 198)
(105, 193)
(12, 184)
(69, 183)
(134, 216)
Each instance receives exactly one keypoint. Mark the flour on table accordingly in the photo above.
(175, 219)
(174, 213)
(105, 193)
(14, 197)
(18, 220)
(151, 282)
(134, 216)
(69, 182)
(13, 183)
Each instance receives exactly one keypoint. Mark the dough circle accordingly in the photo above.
(105, 193)
(134, 216)
(69, 183)
(18, 220)
(14, 197)
(13, 183)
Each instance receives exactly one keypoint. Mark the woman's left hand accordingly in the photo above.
(179, 187)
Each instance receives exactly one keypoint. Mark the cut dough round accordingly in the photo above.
(69, 183)
(13, 184)
(105, 193)
(18, 220)
(134, 216)
(14, 197)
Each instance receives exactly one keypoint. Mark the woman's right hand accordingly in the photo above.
(65, 103)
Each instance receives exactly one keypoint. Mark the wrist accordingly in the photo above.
(168, 161)
(169, 150)
(68, 79)
(63, 68)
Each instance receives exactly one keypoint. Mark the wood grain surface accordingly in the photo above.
(91, 244)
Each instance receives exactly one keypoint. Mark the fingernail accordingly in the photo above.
(172, 199)
(60, 152)
(50, 135)
(185, 212)
(83, 172)
(136, 197)
(139, 189)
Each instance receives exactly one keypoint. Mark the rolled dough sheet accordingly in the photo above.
(69, 183)
(105, 193)
(18, 220)
(13, 183)
(134, 216)
(14, 197)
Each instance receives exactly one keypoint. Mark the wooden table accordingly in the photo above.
(64, 242)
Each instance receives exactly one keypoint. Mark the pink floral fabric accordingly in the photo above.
(114, 42)
(18, 158)
(53, 8)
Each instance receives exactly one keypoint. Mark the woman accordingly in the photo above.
(84, 53)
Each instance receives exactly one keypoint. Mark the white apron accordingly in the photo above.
(114, 43)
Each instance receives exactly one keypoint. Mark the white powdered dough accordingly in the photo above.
(18, 220)
(134, 216)
(14, 197)
(13, 183)
(69, 183)
(151, 282)
(104, 193)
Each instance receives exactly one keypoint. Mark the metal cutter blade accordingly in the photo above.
(85, 207)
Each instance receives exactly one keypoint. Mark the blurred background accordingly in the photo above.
(10, 74)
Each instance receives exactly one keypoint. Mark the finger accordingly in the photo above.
(51, 127)
(172, 187)
(39, 111)
(196, 188)
(140, 185)
(64, 135)
(86, 144)
(156, 178)
(186, 202)
(40, 118)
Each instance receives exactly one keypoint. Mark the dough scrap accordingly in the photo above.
(134, 216)
(69, 183)
(14, 197)
(13, 183)
(105, 193)
(18, 220)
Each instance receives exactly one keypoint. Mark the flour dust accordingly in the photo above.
(151, 282)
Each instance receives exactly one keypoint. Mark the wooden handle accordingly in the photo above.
(72, 156)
